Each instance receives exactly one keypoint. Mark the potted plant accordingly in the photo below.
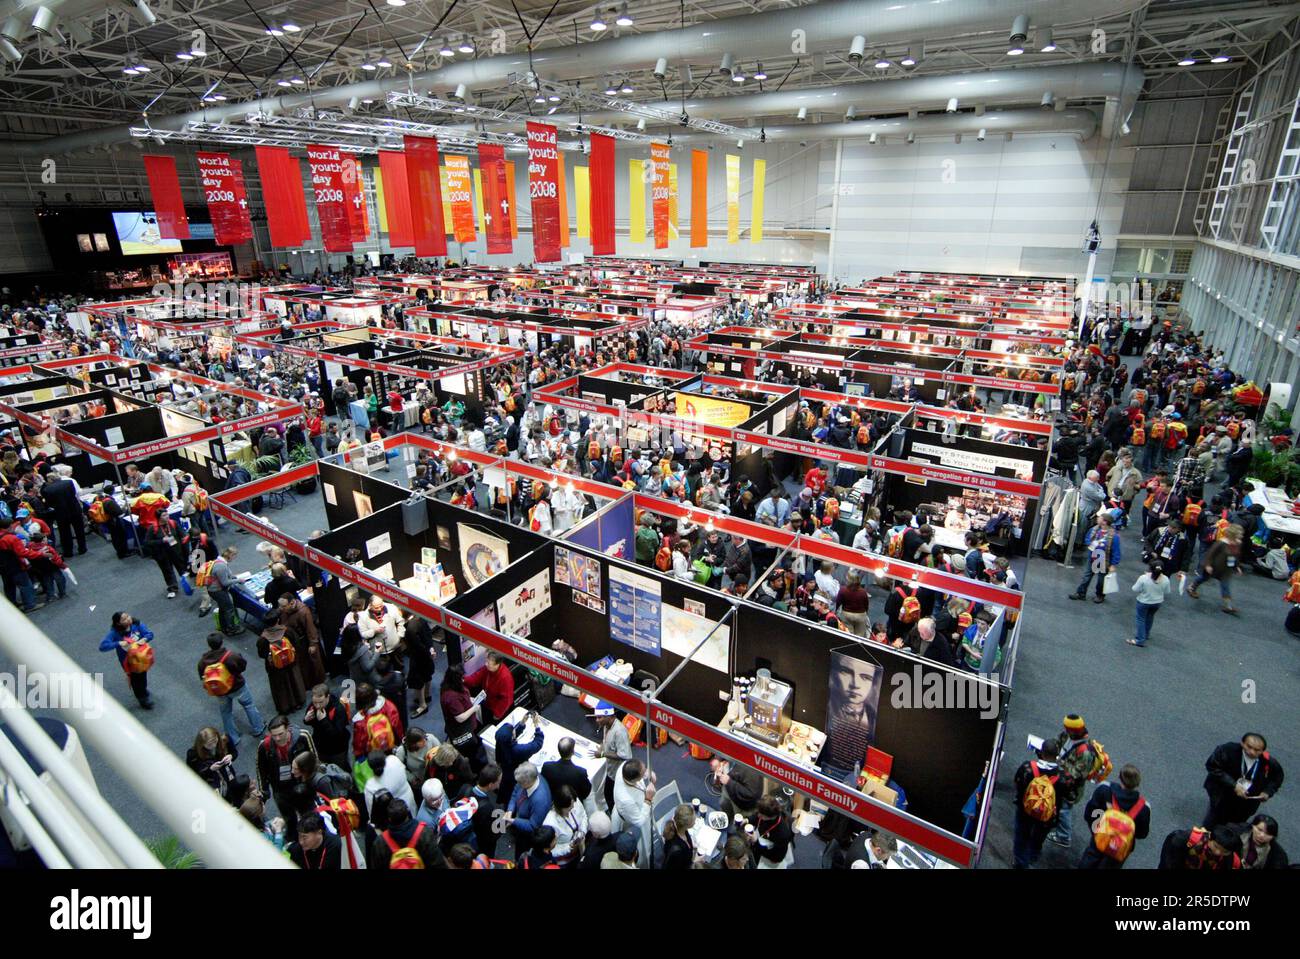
(171, 854)
(301, 455)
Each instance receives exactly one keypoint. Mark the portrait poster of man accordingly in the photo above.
(854, 696)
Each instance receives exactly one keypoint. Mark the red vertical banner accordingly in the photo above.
(168, 204)
(659, 193)
(221, 192)
(331, 199)
(602, 194)
(458, 195)
(424, 190)
(397, 203)
(544, 191)
(354, 198)
(281, 185)
(699, 198)
(241, 200)
(496, 207)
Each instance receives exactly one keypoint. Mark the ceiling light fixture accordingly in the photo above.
(445, 50)
(626, 87)
(184, 55)
(598, 24)
(725, 66)
(1046, 43)
(397, 3)
(1187, 62)
(274, 32)
(368, 66)
(1019, 33)
(624, 18)
(1221, 58)
(290, 27)
(554, 98)
(882, 62)
(738, 76)
(466, 45)
(911, 58)
(873, 138)
(283, 83)
(857, 47)
(611, 89)
(760, 73)
(298, 81)
(383, 62)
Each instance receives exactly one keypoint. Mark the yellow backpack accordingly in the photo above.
(1040, 796)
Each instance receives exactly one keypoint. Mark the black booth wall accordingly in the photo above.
(939, 754)
(139, 425)
(345, 482)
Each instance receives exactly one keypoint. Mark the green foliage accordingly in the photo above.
(1276, 467)
(301, 455)
(171, 854)
(1274, 421)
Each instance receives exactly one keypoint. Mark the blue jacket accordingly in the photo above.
(1114, 544)
(530, 811)
(113, 638)
(511, 753)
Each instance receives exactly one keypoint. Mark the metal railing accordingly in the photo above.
(64, 817)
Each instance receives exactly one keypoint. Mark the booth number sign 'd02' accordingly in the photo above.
(519, 607)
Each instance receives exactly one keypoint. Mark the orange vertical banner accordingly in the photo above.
(510, 198)
(699, 198)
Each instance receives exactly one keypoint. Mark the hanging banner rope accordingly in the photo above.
(602, 195)
(230, 222)
(544, 192)
(425, 193)
(331, 206)
(168, 204)
(659, 193)
(496, 207)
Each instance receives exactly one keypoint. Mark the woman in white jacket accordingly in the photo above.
(569, 820)
(682, 561)
(381, 624)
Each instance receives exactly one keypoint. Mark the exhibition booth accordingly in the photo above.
(677, 654)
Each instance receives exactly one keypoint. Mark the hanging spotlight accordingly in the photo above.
(397, 3)
(882, 61)
(952, 105)
(9, 51)
(611, 89)
(141, 68)
(760, 73)
(539, 98)
(873, 138)
(626, 87)
(554, 98)
(598, 24)
(911, 58)
(1220, 58)
(290, 27)
(624, 18)
(1019, 33)
(911, 138)
(551, 110)
(980, 136)
(738, 76)
(297, 81)
(130, 71)
(661, 68)
(1046, 43)
(640, 124)
(851, 113)
(857, 48)
(283, 83)
(1048, 101)
(725, 66)
(274, 32)
(383, 63)
(803, 113)
(1187, 62)
(184, 55)
(445, 50)
(460, 92)
(466, 44)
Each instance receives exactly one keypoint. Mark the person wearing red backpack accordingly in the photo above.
(1035, 818)
(123, 635)
(1107, 800)
(406, 843)
(375, 724)
(222, 672)
(275, 755)
(1201, 848)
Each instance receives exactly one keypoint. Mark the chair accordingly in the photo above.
(667, 799)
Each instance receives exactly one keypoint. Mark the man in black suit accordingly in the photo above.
(565, 772)
(61, 497)
(1240, 778)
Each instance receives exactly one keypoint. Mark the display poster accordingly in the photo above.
(591, 602)
(331, 496)
(521, 606)
(854, 697)
(362, 503)
(384, 572)
(682, 631)
(113, 436)
(482, 555)
(577, 571)
(955, 457)
(703, 409)
(378, 544)
(693, 606)
(544, 191)
(430, 557)
(634, 610)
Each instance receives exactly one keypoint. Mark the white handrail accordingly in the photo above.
(195, 813)
(46, 848)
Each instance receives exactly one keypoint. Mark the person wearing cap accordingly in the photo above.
(1077, 757)
(1201, 848)
(625, 854)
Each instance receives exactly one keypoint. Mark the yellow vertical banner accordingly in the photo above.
(582, 201)
(636, 200)
(756, 211)
(446, 201)
(564, 204)
(478, 200)
(379, 200)
(733, 199)
(672, 201)
(510, 198)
